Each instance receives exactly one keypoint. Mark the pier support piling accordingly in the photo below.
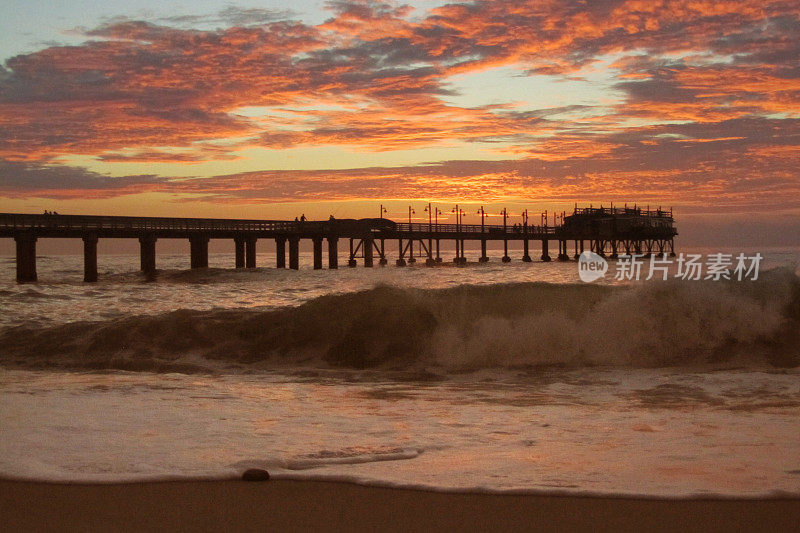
(333, 253)
(401, 262)
(90, 258)
(368, 246)
(238, 243)
(147, 254)
(562, 251)
(317, 253)
(26, 258)
(352, 261)
(526, 253)
(545, 251)
(294, 253)
(483, 258)
(250, 252)
(198, 245)
(280, 252)
(382, 261)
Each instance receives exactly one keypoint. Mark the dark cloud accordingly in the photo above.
(18, 179)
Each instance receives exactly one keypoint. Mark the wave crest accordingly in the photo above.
(462, 328)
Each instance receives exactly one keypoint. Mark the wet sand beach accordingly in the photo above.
(281, 505)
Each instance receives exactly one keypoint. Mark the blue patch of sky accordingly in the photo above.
(30, 25)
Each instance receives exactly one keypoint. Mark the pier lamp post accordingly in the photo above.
(383, 210)
(459, 243)
(482, 213)
(411, 240)
(436, 213)
(526, 257)
(484, 258)
(430, 261)
(506, 259)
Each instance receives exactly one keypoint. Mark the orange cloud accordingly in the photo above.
(375, 77)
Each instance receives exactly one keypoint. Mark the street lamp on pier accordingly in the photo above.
(506, 259)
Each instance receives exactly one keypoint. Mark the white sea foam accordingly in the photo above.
(628, 431)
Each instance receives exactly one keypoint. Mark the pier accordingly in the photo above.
(609, 232)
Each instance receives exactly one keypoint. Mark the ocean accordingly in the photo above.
(495, 378)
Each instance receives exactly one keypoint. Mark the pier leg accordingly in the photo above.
(438, 255)
(411, 258)
(198, 245)
(581, 241)
(368, 246)
(294, 253)
(526, 254)
(457, 258)
(147, 254)
(672, 247)
(317, 253)
(577, 255)
(238, 243)
(26, 258)
(400, 261)
(90, 258)
(463, 250)
(506, 259)
(280, 252)
(250, 252)
(382, 261)
(562, 251)
(545, 253)
(484, 258)
(333, 253)
(352, 261)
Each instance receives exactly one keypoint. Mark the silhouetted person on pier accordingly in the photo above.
(303, 217)
(331, 218)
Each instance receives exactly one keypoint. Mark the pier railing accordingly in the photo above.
(90, 222)
(654, 213)
(518, 230)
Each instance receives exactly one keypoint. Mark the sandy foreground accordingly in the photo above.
(280, 505)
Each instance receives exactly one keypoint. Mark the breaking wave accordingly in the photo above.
(456, 329)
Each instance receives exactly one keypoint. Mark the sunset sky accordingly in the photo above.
(261, 110)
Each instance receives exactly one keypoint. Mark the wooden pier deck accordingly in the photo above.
(608, 231)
